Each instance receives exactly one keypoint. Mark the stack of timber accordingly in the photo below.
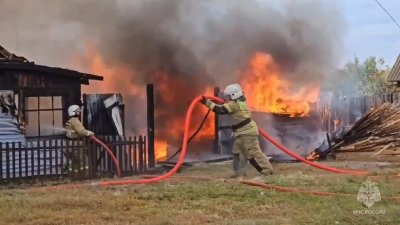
(375, 133)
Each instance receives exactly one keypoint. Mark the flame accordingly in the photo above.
(117, 76)
(312, 156)
(174, 126)
(208, 130)
(160, 148)
(266, 91)
(120, 77)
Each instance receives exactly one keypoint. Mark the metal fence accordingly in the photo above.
(73, 158)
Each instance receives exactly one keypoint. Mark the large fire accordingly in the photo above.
(262, 84)
(266, 91)
(175, 126)
(120, 78)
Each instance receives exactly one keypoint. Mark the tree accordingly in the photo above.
(368, 77)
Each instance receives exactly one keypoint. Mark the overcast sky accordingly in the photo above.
(370, 31)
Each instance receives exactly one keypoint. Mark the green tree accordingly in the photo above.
(368, 77)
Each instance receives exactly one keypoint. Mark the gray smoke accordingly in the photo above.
(199, 43)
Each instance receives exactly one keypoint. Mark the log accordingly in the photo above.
(383, 149)
(376, 131)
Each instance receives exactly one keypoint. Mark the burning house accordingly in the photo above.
(34, 99)
(290, 117)
(279, 55)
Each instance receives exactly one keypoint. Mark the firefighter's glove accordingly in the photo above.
(90, 133)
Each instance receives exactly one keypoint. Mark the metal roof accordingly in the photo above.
(394, 75)
(9, 61)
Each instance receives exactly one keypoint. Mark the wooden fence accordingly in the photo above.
(344, 111)
(73, 158)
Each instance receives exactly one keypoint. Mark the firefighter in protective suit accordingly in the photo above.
(74, 130)
(245, 132)
(74, 126)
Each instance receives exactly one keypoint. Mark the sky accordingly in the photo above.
(370, 31)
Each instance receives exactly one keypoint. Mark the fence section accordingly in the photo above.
(344, 111)
(73, 158)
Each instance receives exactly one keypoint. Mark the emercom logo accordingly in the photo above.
(368, 193)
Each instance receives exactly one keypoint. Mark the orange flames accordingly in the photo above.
(262, 84)
(160, 148)
(266, 91)
(117, 77)
(175, 125)
(120, 78)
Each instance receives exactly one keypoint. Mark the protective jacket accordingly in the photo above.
(75, 128)
(239, 113)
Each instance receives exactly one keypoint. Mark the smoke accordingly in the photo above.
(195, 44)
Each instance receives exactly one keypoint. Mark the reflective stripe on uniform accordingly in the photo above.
(212, 105)
(242, 105)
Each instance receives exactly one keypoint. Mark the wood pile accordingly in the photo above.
(378, 132)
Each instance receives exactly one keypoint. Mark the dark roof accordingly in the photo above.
(6, 56)
(394, 75)
(9, 61)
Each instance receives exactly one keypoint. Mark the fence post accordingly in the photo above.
(141, 154)
(7, 160)
(150, 124)
(26, 161)
(135, 155)
(130, 157)
(19, 160)
(44, 157)
(145, 153)
(62, 157)
(13, 160)
(38, 157)
(51, 149)
(1, 161)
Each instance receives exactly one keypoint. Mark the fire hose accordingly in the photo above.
(191, 137)
(109, 152)
(294, 155)
(183, 153)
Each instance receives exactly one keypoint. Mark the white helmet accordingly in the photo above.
(72, 110)
(234, 91)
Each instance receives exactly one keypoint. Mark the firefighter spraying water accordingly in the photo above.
(74, 126)
(245, 132)
(75, 129)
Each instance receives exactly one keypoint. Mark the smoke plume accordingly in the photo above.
(187, 45)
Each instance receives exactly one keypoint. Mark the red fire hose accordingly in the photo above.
(178, 164)
(294, 155)
(151, 180)
(317, 165)
(109, 152)
(183, 153)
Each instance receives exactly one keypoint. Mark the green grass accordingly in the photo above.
(191, 201)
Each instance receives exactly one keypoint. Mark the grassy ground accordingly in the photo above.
(218, 200)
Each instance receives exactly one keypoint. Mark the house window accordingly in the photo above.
(43, 116)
